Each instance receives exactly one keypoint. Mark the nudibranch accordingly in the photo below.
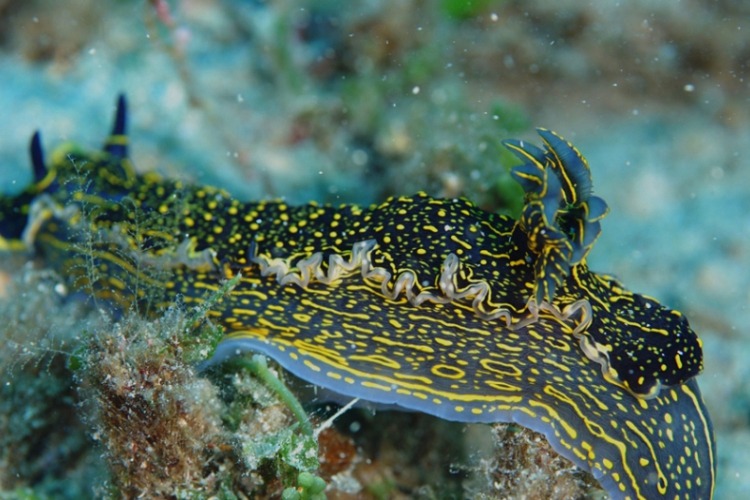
(429, 304)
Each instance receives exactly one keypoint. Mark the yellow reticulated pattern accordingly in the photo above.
(429, 304)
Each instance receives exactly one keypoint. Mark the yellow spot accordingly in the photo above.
(500, 367)
(244, 312)
(378, 359)
(460, 242)
(416, 347)
(557, 365)
(447, 371)
(312, 366)
(376, 386)
(503, 386)
(417, 378)
(163, 209)
(251, 293)
(117, 283)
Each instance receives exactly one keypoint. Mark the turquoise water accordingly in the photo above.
(338, 103)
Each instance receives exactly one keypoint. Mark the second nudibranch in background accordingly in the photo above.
(429, 304)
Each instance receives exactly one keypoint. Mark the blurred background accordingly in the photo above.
(346, 102)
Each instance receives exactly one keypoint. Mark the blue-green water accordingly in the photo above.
(339, 103)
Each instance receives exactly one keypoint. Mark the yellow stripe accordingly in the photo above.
(706, 433)
(117, 140)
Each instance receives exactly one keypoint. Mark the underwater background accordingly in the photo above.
(351, 102)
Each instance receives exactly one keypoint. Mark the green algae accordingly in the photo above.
(44, 446)
(258, 365)
(129, 391)
(309, 487)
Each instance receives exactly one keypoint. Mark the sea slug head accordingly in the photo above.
(70, 175)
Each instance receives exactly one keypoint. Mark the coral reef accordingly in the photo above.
(43, 441)
(159, 424)
(355, 102)
(525, 467)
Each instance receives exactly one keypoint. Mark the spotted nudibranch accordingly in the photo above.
(428, 304)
